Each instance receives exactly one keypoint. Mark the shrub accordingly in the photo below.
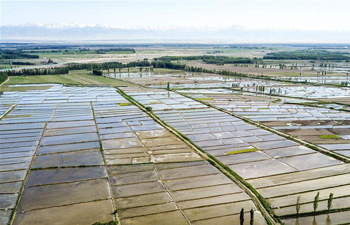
(298, 205)
(241, 217)
(330, 201)
(317, 198)
(112, 222)
(251, 217)
(97, 72)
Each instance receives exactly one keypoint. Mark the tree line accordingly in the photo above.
(116, 65)
(107, 65)
(75, 66)
(16, 54)
(210, 59)
(36, 71)
(307, 55)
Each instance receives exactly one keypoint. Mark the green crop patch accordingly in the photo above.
(277, 100)
(242, 151)
(125, 104)
(18, 116)
(204, 99)
(331, 136)
(154, 102)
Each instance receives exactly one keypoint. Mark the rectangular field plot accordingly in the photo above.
(222, 135)
(161, 100)
(264, 108)
(129, 136)
(282, 191)
(150, 193)
(62, 136)
(20, 132)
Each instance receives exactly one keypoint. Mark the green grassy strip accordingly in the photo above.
(241, 151)
(18, 116)
(215, 162)
(330, 136)
(125, 104)
(204, 99)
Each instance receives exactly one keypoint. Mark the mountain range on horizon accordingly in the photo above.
(232, 34)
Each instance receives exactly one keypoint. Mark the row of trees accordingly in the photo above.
(315, 202)
(21, 63)
(307, 55)
(241, 217)
(168, 65)
(94, 66)
(36, 71)
(75, 66)
(210, 59)
(107, 65)
(16, 54)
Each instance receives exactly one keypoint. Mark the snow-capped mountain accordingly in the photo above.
(76, 32)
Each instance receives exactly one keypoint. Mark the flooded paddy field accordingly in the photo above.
(90, 150)
(77, 155)
(149, 145)
(190, 80)
(279, 169)
(337, 95)
(325, 127)
(322, 80)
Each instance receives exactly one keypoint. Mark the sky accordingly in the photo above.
(329, 15)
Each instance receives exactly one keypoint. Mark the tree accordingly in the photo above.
(97, 72)
(330, 201)
(317, 198)
(298, 205)
(241, 217)
(251, 217)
